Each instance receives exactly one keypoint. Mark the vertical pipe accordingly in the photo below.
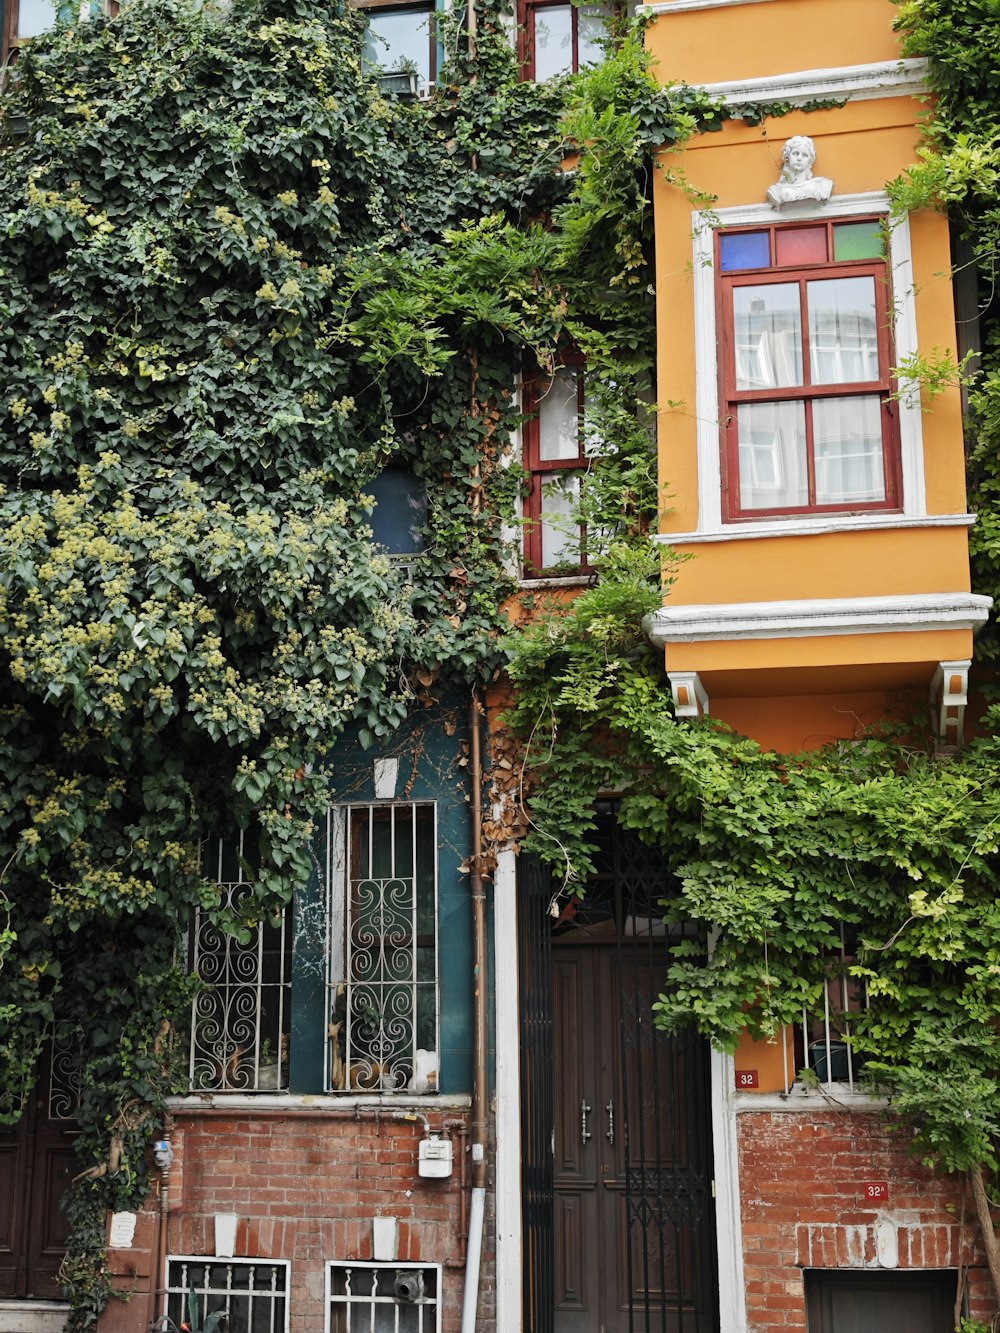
(480, 1045)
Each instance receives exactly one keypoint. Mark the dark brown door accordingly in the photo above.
(633, 1230)
(36, 1167)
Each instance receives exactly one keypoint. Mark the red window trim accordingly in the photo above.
(533, 389)
(731, 397)
(526, 10)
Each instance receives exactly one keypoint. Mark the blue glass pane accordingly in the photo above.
(400, 512)
(745, 249)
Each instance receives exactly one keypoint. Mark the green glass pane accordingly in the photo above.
(858, 240)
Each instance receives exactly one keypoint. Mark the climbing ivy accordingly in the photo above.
(238, 282)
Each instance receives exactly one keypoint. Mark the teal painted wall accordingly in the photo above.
(430, 749)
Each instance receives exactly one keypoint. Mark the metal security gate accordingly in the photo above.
(619, 1219)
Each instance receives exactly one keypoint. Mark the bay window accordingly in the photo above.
(808, 421)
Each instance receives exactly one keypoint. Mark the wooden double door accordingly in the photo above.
(36, 1166)
(634, 1248)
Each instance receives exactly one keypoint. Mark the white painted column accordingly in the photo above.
(729, 1231)
(508, 1096)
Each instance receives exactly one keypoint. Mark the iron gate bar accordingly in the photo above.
(537, 1109)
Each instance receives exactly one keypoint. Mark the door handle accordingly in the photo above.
(610, 1131)
(584, 1132)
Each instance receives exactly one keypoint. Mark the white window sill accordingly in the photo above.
(825, 1097)
(298, 1101)
(557, 581)
(749, 530)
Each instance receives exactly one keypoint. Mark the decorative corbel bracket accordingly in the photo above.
(690, 699)
(949, 696)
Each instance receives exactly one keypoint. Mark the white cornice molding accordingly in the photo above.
(818, 617)
(817, 526)
(686, 6)
(852, 83)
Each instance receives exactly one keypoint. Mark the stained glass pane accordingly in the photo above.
(773, 467)
(858, 240)
(847, 439)
(800, 245)
(843, 331)
(767, 326)
(745, 249)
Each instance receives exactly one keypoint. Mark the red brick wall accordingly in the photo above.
(306, 1185)
(802, 1178)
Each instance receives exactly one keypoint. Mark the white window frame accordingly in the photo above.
(338, 909)
(705, 224)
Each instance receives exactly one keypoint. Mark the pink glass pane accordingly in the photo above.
(800, 245)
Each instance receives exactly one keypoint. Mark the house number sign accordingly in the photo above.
(875, 1189)
(746, 1078)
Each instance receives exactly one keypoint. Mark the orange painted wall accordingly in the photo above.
(772, 38)
(857, 564)
(861, 146)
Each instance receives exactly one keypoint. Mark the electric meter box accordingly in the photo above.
(435, 1157)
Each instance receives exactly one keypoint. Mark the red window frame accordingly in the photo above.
(526, 11)
(807, 392)
(545, 469)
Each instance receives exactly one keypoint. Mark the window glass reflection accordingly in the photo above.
(843, 332)
(768, 335)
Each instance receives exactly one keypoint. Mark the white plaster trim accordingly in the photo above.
(297, 1101)
(828, 1097)
(686, 6)
(809, 617)
(728, 1223)
(814, 526)
(853, 83)
(704, 227)
(508, 1096)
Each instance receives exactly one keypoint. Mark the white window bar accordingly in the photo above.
(244, 1295)
(241, 1017)
(383, 951)
(383, 1298)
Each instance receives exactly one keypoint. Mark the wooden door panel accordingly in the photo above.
(55, 1166)
(880, 1303)
(37, 1164)
(570, 1010)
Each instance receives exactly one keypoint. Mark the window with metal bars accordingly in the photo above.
(227, 1295)
(241, 1016)
(383, 1298)
(383, 1011)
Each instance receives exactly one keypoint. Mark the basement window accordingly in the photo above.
(383, 1298)
(228, 1295)
(852, 1302)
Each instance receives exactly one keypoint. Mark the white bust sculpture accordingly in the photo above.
(797, 181)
